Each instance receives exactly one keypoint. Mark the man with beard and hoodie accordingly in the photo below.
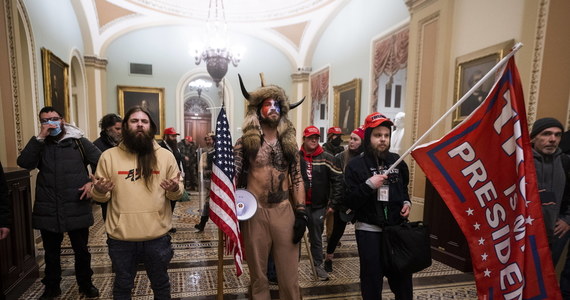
(320, 176)
(378, 199)
(267, 165)
(342, 215)
(61, 154)
(553, 176)
(138, 179)
(109, 137)
(169, 141)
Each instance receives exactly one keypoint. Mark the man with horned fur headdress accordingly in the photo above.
(267, 165)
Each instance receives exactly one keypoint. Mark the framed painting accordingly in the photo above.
(469, 70)
(347, 106)
(56, 82)
(148, 97)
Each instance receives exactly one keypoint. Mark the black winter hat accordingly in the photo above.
(541, 124)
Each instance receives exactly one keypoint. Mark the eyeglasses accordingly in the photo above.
(45, 120)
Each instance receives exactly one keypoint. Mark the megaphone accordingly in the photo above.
(246, 204)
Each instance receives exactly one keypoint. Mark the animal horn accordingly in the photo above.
(243, 89)
(292, 106)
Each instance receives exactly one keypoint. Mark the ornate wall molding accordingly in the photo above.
(95, 62)
(417, 87)
(538, 52)
(14, 73)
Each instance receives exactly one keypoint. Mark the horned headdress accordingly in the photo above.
(252, 128)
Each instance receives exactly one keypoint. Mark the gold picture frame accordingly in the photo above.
(56, 82)
(347, 106)
(149, 97)
(469, 69)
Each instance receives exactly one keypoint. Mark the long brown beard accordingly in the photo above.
(172, 144)
(270, 122)
(143, 146)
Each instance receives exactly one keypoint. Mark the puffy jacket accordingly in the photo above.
(62, 172)
(324, 177)
(363, 199)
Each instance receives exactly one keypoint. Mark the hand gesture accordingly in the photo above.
(86, 188)
(44, 129)
(560, 228)
(378, 180)
(405, 212)
(102, 185)
(171, 185)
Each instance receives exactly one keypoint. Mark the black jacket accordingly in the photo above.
(363, 199)
(62, 172)
(325, 176)
(104, 142)
(175, 152)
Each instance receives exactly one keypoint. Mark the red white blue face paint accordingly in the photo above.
(270, 106)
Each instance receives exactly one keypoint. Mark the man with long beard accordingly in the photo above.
(138, 179)
(267, 164)
(378, 199)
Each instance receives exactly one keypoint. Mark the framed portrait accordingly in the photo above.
(148, 97)
(55, 73)
(347, 106)
(470, 69)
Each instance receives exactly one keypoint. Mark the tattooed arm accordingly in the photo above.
(297, 187)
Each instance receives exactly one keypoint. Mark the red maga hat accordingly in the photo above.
(334, 130)
(375, 119)
(170, 131)
(311, 130)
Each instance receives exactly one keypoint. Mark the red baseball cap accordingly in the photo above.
(170, 131)
(360, 132)
(375, 119)
(188, 138)
(311, 130)
(334, 130)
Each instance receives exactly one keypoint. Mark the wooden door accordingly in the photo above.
(448, 244)
(197, 126)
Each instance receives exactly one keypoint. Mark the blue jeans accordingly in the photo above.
(558, 245)
(154, 254)
(371, 275)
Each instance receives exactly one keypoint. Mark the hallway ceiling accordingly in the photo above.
(292, 26)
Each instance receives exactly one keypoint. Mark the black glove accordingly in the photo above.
(301, 221)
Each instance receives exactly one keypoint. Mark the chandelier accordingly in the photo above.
(200, 85)
(216, 54)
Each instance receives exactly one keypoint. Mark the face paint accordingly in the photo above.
(268, 106)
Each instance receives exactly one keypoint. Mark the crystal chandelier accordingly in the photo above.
(216, 54)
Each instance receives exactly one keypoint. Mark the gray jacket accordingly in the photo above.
(62, 171)
(552, 174)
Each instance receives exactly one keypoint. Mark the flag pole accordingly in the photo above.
(469, 92)
(220, 295)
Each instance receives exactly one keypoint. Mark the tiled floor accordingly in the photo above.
(193, 270)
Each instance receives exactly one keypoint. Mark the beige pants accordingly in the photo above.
(271, 230)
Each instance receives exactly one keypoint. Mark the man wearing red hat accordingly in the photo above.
(169, 142)
(332, 146)
(320, 176)
(378, 199)
(342, 214)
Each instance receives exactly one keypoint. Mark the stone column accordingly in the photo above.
(97, 102)
(301, 115)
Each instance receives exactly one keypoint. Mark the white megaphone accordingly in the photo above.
(246, 204)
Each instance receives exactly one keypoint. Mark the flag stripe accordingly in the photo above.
(222, 191)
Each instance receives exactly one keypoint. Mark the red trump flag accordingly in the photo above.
(484, 171)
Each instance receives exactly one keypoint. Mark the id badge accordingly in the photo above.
(383, 192)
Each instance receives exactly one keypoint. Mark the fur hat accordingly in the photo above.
(252, 128)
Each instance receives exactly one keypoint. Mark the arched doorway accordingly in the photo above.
(197, 119)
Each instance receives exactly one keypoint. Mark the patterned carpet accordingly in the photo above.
(193, 270)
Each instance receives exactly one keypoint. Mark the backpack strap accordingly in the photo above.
(82, 151)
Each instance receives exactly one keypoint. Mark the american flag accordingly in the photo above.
(222, 193)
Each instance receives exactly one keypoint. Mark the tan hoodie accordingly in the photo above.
(135, 213)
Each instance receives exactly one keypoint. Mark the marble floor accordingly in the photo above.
(193, 270)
